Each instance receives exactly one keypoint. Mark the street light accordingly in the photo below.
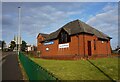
(19, 39)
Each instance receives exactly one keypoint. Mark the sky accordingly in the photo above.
(47, 17)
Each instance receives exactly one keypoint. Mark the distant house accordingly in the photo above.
(30, 47)
(117, 50)
(4, 45)
(74, 40)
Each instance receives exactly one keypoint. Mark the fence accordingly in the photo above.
(33, 70)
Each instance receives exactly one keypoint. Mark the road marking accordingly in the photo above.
(2, 61)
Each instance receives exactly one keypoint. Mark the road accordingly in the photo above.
(10, 67)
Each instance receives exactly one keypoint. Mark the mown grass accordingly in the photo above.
(81, 69)
(109, 66)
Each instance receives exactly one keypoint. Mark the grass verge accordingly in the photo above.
(25, 77)
(81, 69)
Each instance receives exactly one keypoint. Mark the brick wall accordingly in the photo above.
(102, 49)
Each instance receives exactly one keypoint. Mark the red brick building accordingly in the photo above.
(74, 40)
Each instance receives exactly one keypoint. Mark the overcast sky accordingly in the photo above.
(46, 17)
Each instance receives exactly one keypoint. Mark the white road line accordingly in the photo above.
(2, 60)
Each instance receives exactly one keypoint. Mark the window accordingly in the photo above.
(64, 37)
(94, 44)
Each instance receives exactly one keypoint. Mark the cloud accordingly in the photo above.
(36, 18)
(107, 22)
(7, 20)
(44, 17)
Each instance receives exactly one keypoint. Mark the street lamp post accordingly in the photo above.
(19, 25)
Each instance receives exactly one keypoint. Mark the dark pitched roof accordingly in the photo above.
(53, 35)
(75, 27)
(43, 34)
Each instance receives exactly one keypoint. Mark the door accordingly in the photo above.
(89, 48)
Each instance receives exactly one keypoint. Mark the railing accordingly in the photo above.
(33, 70)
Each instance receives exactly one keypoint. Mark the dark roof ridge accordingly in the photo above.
(44, 33)
(79, 22)
(75, 27)
(101, 33)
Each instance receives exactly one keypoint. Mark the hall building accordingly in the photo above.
(75, 40)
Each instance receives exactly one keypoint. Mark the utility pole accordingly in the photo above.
(19, 38)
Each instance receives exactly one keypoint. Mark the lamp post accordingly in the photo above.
(19, 38)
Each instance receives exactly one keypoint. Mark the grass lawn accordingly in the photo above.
(81, 69)
(108, 65)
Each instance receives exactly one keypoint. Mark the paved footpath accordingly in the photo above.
(10, 67)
